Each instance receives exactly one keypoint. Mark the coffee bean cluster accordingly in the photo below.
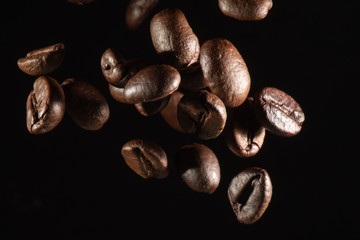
(201, 90)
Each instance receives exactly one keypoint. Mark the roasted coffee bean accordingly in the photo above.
(85, 104)
(243, 133)
(192, 78)
(152, 83)
(250, 193)
(245, 10)
(42, 61)
(45, 105)
(138, 11)
(173, 39)
(145, 158)
(80, 2)
(151, 108)
(202, 113)
(278, 112)
(117, 93)
(225, 71)
(169, 113)
(198, 167)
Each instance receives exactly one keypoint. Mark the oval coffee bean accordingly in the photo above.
(152, 83)
(250, 193)
(245, 10)
(145, 158)
(173, 39)
(151, 108)
(225, 71)
(85, 104)
(137, 12)
(203, 114)
(243, 134)
(199, 167)
(42, 61)
(45, 105)
(169, 113)
(278, 112)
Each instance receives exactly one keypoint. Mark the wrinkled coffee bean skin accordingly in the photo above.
(199, 167)
(250, 193)
(42, 61)
(85, 104)
(137, 12)
(169, 113)
(173, 38)
(151, 108)
(225, 71)
(243, 134)
(203, 114)
(278, 112)
(152, 83)
(45, 105)
(145, 158)
(245, 10)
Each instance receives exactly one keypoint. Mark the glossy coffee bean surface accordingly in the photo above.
(85, 104)
(45, 105)
(278, 112)
(250, 193)
(225, 71)
(245, 10)
(42, 61)
(198, 167)
(145, 158)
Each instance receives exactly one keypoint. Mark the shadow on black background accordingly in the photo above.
(74, 184)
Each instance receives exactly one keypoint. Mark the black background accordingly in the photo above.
(73, 184)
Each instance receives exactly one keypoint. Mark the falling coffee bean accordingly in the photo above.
(202, 113)
(278, 112)
(138, 11)
(42, 61)
(151, 108)
(250, 193)
(169, 113)
(198, 167)
(45, 105)
(85, 104)
(145, 158)
(243, 134)
(245, 10)
(225, 71)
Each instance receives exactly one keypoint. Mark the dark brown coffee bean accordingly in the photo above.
(192, 78)
(199, 167)
(117, 93)
(45, 105)
(245, 10)
(243, 133)
(138, 11)
(151, 108)
(80, 2)
(152, 83)
(202, 113)
(85, 104)
(42, 61)
(225, 71)
(278, 112)
(169, 113)
(173, 39)
(250, 193)
(145, 158)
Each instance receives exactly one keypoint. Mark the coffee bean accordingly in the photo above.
(198, 167)
(225, 71)
(152, 83)
(245, 10)
(145, 158)
(243, 133)
(137, 12)
(80, 2)
(85, 104)
(117, 93)
(202, 113)
(173, 39)
(278, 112)
(42, 61)
(151, 108)
(250, 193)
(45, 105)
(192, 78)
(169, 113)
